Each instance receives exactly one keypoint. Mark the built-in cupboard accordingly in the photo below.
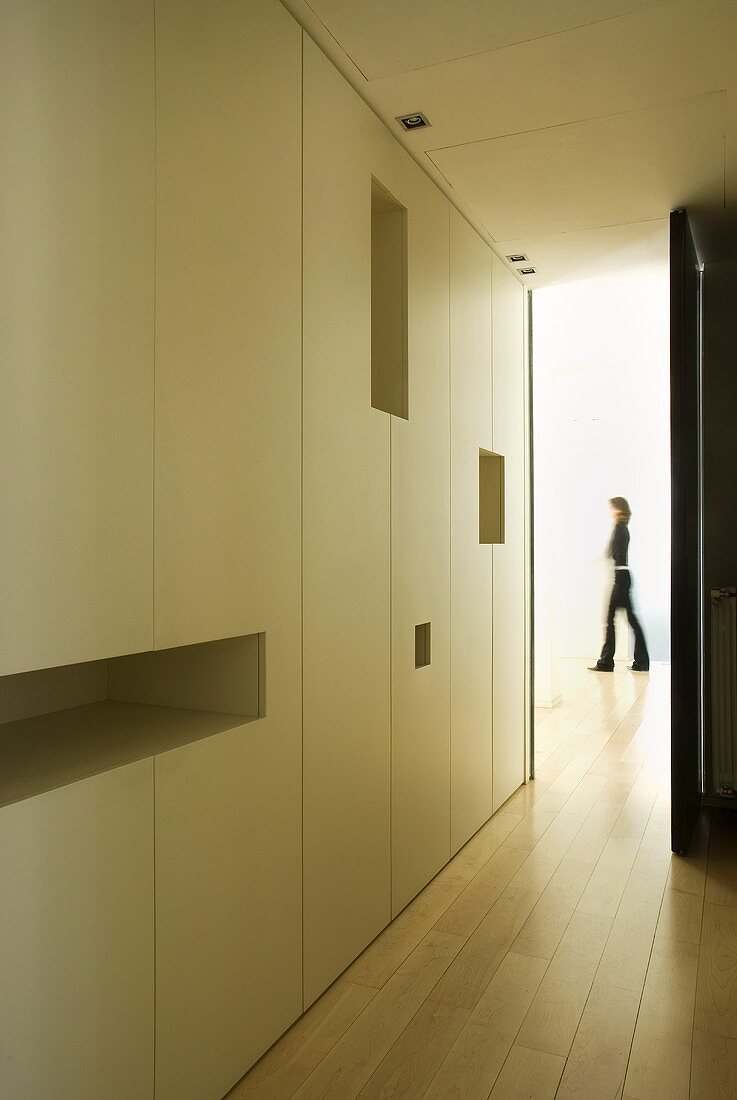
(262, 672)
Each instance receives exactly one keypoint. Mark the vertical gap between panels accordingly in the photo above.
(302, 497)
(391, 680)
(153, 335)
(153, 845)
(493, 549)
(531, 534)
(450, 534)
(153, 532)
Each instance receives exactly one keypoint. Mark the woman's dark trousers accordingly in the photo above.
(621, 598)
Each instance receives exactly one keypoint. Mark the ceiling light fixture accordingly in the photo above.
(528, 271)
(517, 258)
(414, 121)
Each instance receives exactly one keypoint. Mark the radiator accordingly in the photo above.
(724, 689)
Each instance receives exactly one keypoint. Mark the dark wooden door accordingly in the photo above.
(686, 648)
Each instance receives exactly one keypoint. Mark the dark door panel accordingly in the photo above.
(685, 381)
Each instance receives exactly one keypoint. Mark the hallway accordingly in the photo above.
(563, 952)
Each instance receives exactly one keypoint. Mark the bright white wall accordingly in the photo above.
(601, 429)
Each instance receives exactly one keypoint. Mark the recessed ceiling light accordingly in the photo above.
(528, 271)
(414, 121)
(517, 258)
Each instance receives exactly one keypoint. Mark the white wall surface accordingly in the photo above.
(601, 430)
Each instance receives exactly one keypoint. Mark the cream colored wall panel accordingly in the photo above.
(346, 534)
(228, 907)
(76, 941)
(227, 513)
(420, 465)
(228, 484)
(76, 339)
(471, 563)
(509, 621)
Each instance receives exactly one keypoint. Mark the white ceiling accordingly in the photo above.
(568, 128)
(595, 253)
(384, 37)
(616, 170)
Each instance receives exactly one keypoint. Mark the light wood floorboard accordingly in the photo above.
(563, 952)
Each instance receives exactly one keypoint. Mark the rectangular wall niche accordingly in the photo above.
(422, 645)
(491, 497)
(60, 725)
(389, 358)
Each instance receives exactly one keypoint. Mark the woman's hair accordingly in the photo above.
(620, 505)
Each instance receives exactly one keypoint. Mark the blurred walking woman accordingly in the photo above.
(618, 549)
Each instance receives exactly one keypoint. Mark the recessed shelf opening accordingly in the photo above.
(59, 725)
(422, 645)
(389, 357)
(491, 497)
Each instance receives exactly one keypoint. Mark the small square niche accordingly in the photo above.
(422, 645)
(491, 497)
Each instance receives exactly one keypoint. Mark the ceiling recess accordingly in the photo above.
(415, 121)
(517, 258)
(528, 271)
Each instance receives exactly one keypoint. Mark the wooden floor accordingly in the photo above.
(563, 952)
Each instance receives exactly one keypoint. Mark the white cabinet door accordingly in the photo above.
(510, 674)
(76, 941)
(76, 339)
(228, 906)
(228, 325)
(346, 633)
(420, 480)
(471, 562)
